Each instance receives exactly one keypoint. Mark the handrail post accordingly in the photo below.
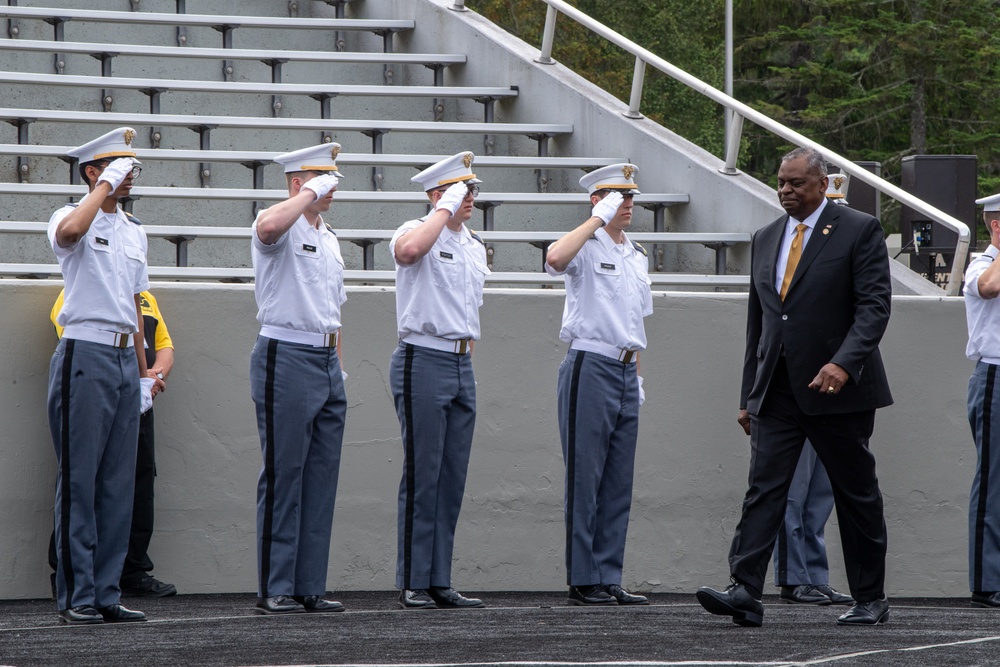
(637, 81)
(733, 145)
(459, 6)
(548, 36)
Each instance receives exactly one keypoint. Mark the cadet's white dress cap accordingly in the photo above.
(991, 203)
(450, 170)
(616, 177)
(314, 158)
(111, 146)
(836, 187)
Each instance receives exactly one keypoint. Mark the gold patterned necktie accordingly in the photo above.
(794, 255)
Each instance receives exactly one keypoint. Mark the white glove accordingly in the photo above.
(116, 172)
(453, 197)
(642, 393)
(146, 394)
(608, 207)
(344, 375)
(321, 185)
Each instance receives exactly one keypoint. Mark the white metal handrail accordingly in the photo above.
(741, 111)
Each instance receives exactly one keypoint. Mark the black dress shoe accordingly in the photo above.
(804, 594)
(986, 600)
(147, 586)
(417, 598)
(279, 604)
(866, 613)
(590, 596)
(316, 604)
(622, 596)
(735, 601)
(836, 597)
(82, 615)
(116, 613)
(449, 598)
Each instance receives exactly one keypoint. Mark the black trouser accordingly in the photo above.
(137, 561)
(841, 442)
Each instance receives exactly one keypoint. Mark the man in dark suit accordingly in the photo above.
(819, 303)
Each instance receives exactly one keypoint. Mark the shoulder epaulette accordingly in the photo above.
(131, 218)
(329, 228)
(73, 204)
(476, 236)
(639, 248)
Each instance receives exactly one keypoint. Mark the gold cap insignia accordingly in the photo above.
(467, 160)
(334, 151)
(129, 135)
(627, 172)
(838, 181)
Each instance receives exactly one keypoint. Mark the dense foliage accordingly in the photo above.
(870, 79)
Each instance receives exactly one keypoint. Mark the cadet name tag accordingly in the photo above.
(447, 255)
(609, 267)
(101, 241)
(308, 248)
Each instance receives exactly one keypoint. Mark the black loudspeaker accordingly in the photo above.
(947, 182)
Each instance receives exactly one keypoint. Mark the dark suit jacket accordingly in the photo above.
(836, 310)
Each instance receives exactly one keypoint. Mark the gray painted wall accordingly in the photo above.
(691, 465)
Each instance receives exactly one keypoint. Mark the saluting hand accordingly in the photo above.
(607, 208)
(453, 197)
(321, 185)
(116, 172)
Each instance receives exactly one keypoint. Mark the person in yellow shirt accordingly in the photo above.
(159, 347)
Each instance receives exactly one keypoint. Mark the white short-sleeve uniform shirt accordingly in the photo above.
(607, 294)
(299, 279)
(440, 294)
(103, 272)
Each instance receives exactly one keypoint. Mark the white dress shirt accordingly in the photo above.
(103, 272)
(299, 279)
(607, 294)
(786, 241)
(440, 294)
(982, 315)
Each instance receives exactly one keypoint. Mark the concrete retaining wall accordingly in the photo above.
(691, 465)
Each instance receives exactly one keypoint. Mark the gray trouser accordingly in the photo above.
(301, 408)
(800, 552)
(93, 406)
(984, 501)
(435, 395)
(598, 423)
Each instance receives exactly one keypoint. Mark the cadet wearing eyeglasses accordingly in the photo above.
(440, 273)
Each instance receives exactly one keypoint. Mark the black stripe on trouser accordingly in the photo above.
(574, 389)
(265, 543)
(411, 471)
(66, 554)
(984, 477)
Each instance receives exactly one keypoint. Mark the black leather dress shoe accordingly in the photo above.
(449, 598)
(417, 598)
(590, 596)
(148, 586)
(82, 615)
(116, 613)
(623, 597)
(987, 600)
(316, 604)
(804, 594)
(278, 604)
(735, 601)
(866, 613)
(836, 597)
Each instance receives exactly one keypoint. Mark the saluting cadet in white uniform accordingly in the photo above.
(95, 395)
(607, 296)
(297, 384)
(440, 272)
(982, 308)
